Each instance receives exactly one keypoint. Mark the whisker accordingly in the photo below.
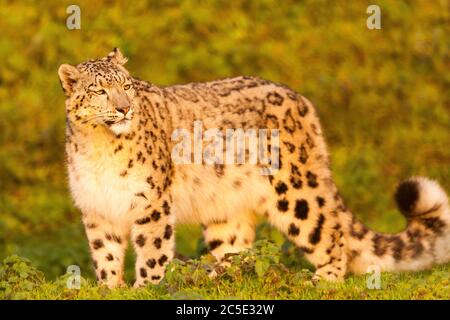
(106, 115)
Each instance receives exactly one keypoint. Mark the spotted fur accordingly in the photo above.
(122, 177)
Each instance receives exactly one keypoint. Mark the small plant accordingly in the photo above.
(257, 260)
(254, 261)
(17, 277)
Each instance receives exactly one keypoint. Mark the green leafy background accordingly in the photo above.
(382, 95)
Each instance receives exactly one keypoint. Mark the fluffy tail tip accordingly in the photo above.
(419, 196)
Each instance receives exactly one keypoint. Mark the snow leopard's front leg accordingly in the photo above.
(107, 242)
(154, 241)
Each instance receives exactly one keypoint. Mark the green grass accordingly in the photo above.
(255, 274)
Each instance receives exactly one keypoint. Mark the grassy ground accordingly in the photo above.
(382, 96)
(256, 274)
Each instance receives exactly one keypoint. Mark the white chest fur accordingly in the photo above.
(97, 185)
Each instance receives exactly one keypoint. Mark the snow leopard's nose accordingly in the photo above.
(123, 109)
(119, 101)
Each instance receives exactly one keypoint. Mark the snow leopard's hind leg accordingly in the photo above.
(304, 203)
(310, 221)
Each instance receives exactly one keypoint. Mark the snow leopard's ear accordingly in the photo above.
(117, 57)
(68, 75)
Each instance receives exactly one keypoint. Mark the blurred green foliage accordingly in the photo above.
(383, 96)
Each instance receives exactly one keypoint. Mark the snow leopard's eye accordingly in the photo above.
(100, 92)
(127, 87)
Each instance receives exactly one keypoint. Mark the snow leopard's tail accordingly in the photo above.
(425, 242)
